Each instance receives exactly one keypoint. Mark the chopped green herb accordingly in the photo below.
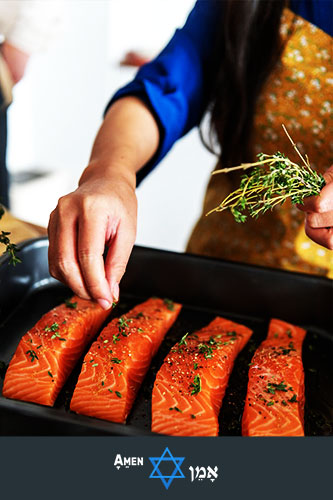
(183, 339)
(206, 350)
(53, 328)
(95, 364)
(271, 387)
(50, 374)
(195, 366)
(169, 303)
(288, 349)
(193, 416)
(120, 374)
(32, 354)
(91, 361)
(114, 304)
(139, 315)
(116, 360)
(118, 394)
(105, 341)
(110, 390)
(70, 305)
(115, 338)
(293, 399)
(232, 334)
(283, 402)
(140, 330)
(38, 347)
(196, 384)
(57, 335)
(176, 408)
(270, 403)
(289, 334)
(102, 383)
(213, 342)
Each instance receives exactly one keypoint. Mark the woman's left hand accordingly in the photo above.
(319, 214)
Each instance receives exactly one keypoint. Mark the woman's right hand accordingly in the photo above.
(101, 212)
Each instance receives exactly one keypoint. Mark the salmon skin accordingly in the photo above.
(49, 351)
(118, 360)
(275, 399)
(190, 386)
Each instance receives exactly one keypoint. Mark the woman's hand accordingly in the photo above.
(103, 210)
(319, 214)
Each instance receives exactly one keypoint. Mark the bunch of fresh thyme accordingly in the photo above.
(272, 181)
(11, 248)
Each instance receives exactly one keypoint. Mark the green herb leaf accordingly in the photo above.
(53, 328)
(183, 340)
(206, 350)
(32, 355)
(118, 394)
(116, 360)
(70, 305)
(196, 384)
(176, 408)
(169, 303)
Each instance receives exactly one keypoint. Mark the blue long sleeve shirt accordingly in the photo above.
(173, 84)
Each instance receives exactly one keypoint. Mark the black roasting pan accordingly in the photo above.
(206, 287)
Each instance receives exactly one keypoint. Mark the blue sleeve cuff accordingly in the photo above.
(164, 94)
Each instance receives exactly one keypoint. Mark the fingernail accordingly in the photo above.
(105, 304)
(115, 292)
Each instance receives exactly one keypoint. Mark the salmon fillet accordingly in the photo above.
(118, 360)
(275, 399)
(49, 351)
(190, 386)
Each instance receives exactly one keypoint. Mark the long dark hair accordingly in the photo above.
(247, 47)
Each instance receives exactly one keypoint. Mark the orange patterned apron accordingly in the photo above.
(298, 94)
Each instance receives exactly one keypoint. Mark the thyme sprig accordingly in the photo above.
(272, 180)
(11, 248)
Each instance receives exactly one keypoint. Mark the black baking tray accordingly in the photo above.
(206, 288)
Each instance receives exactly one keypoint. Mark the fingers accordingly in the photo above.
(63, 262)
(320, 220)
(118, 255)
(92, 229)
(319, 213)
(324, 201)
(322, 236)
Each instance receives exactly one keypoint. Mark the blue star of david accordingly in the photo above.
(166, 457)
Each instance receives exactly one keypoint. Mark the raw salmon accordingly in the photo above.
(118, 360)
(48, 352)
(274, 403)
(190, 386)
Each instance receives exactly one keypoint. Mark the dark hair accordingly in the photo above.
(247, 47)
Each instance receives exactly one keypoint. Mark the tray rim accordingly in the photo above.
(233, 264)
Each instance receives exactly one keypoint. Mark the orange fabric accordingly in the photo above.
(298, 94)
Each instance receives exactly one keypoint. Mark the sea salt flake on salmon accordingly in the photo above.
(190, 385)
(118, 360)
(274, 404)
(48, 352)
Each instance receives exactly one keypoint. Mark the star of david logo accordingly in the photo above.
(167, 457)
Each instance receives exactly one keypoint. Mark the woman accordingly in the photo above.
(253, 65)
